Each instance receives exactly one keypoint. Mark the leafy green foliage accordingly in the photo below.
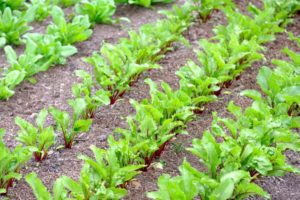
(53, 51)
(260, 139)
(10, 163)
(29, 61)
(193, 183)
(40, 9)
(9, 82)
(195, 83)
(41, 138)
(41, 52)
(84, 90)
(12, 4)
(180, 15)
(41, 192)
(99, 11)
(13, 24)
(146, 131)
(152, 127)
(237, 47)
(220, 63)
(69, 32)
(117, 67)
(173, 104)
(255, 143)
(206, 7)
(294, 38)
(237, 150)
(284, 9)
(262, 24)
(66, 3)
(21, 67)
(281, 85)
(70, 127)
(145, 3)
(113, 72)
(100, 178)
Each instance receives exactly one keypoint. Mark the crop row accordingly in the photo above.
(252, 144)
(238, 150)
(43, 51)
(38, 139)
(163, 116)
(234, 48)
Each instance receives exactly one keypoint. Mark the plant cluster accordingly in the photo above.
(41, 52)
(69, 32)
(13, 24)
(39, 138)
(233, 48)
(100, 178)
(85, 91)
(205, 7)
(39, 10)
(145, 3)
(252, 145)
(55, 45)
(11, 162)
(132, 149)
(118, 66)
(104, 177)
(62, 33)
(238, 150)
(235, 151)
(71, 126)
(13, 4)
(281, 86)
(66, 3)
(99, 11)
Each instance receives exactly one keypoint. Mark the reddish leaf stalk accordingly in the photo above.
(69, 144)
(156, 154)
(90, 114)
(9, 183)
(38, 155)
(116, 96)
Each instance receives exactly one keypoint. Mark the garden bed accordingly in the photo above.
(53, 88)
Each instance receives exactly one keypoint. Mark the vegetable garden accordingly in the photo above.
(149, 99)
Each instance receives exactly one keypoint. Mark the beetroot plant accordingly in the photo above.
(13, 24)
(66, 32)
(38, 137)
(11, 161)
(92, 99)
(99, 11)
(71, 127)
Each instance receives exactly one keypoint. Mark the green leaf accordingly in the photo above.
(253, 94)
(39, 190)
(82, 125)
(69, 50)
(79, 106)
(224, 191)
(10, 55)
(41, 118)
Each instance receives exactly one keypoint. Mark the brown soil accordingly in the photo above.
(53, 88)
